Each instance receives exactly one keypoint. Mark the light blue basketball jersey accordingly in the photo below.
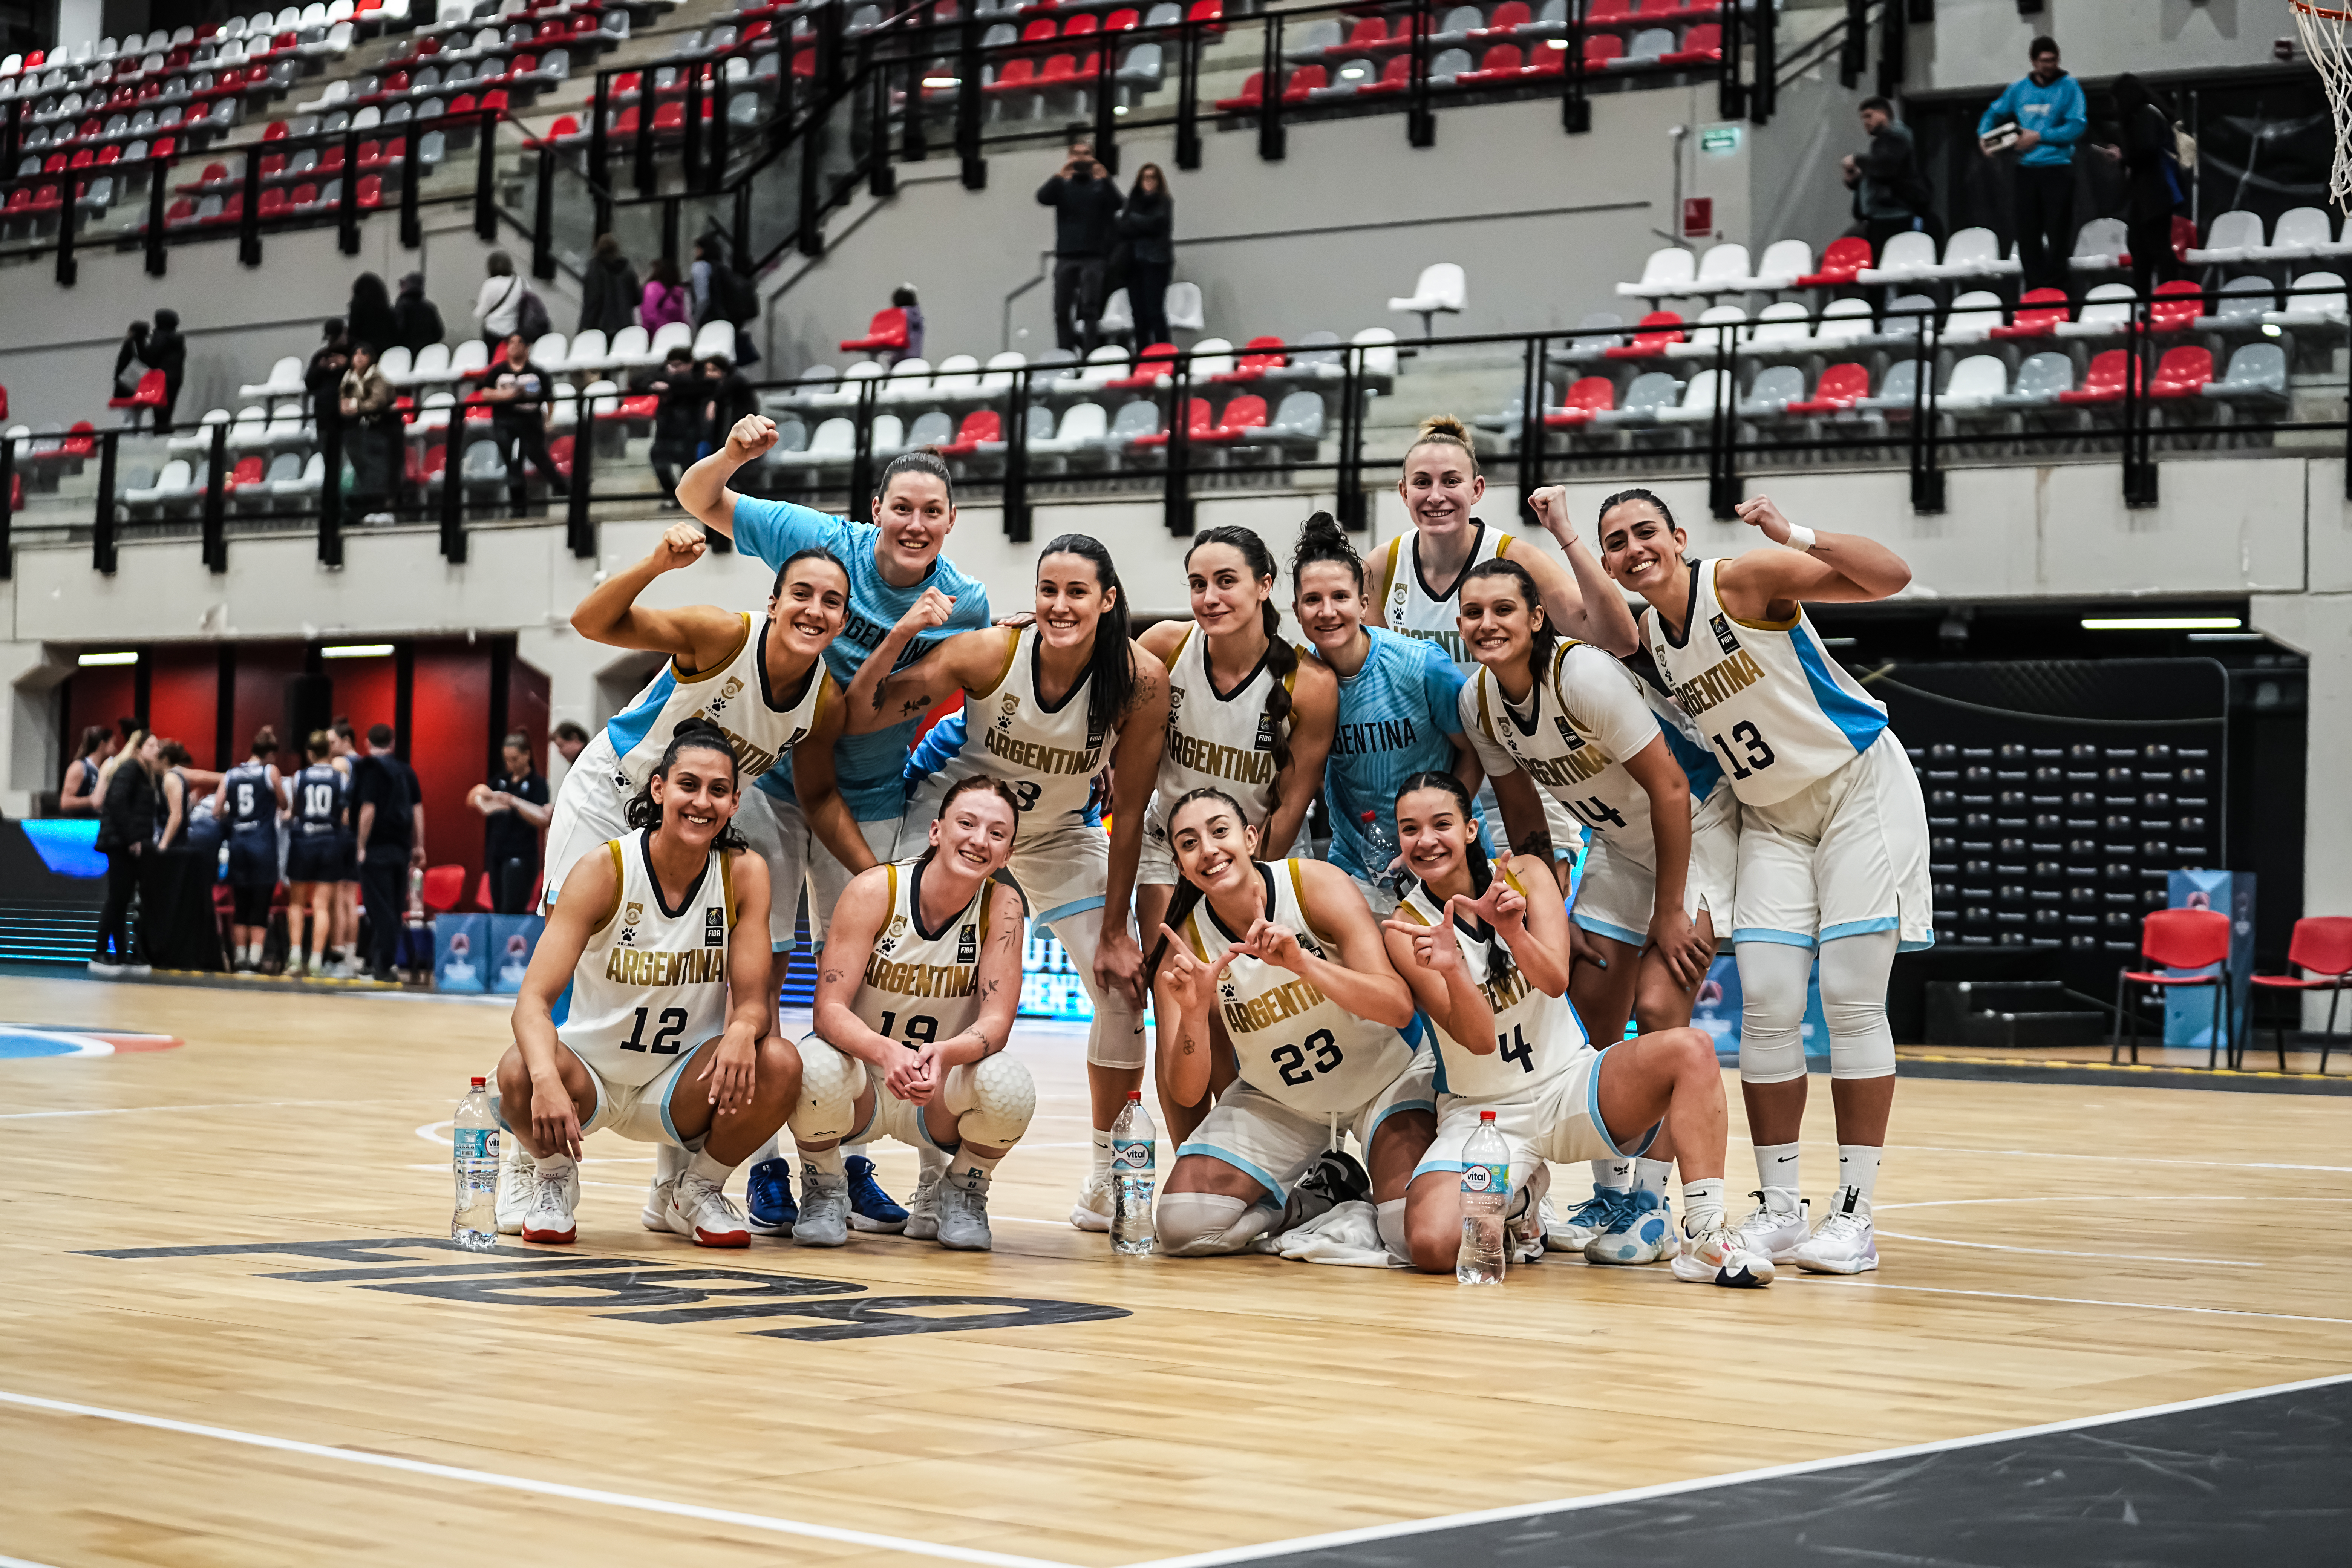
(1394, 715)
(867, 767)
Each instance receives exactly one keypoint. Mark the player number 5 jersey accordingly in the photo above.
(1293, 1044)
(1538, 1038)
(652, 981)
(1778, 712)
(922, 985)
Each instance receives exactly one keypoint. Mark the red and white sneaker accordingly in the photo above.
(1719, 1257)
(701, 1212)
(547, 1213)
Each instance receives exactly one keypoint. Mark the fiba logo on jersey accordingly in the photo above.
(1723, 637)
(968, 944)
(714, 927)
(1568, 737)
(1264, 741)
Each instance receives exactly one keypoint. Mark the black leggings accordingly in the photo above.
(124, 873)
(252, 903)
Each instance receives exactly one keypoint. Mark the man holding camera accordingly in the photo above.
(1086, 204)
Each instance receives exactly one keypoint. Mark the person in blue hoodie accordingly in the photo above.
(2046, 105)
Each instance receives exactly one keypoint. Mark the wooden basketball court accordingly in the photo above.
(203, 1367)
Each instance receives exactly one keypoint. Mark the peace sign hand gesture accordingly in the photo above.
(1190, 982)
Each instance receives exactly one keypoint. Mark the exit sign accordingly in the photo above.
(1720, 140)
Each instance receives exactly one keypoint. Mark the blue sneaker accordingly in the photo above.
(770, 1191)
(1644, 1233)
(870, 1208)
(1595, 1214)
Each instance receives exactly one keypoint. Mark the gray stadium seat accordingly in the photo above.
(2256, 379)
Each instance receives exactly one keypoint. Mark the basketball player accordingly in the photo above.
(1487, 958)
(641, 1013)
(1049, 708)
(1832, 835)
(1565, 717)
(315, 800)
(892, 562)
(347, 876)
(247, 804)
(1244, 715)
(1288, 957)
(915, 1002)
(1397, 716)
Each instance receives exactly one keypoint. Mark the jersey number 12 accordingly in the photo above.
(665, 1040)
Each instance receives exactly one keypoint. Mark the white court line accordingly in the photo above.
(224, 1105)
(2120, 1159)
(20, 1562)
(1708, 1483)
(544, 1489)
(2086, 1301)
(2060, 1252)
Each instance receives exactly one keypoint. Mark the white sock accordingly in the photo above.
(1858, 1169)
(1776, 1173)
(708, 1169)
(828, 1160)
(1101, 1167)
(1617, 1175)
(1651, 1175)
(554, 1167)
(1702, 1205)
(252, 952)
(964, 1162)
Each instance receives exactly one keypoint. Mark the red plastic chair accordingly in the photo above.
(670, 117)
(2038, 315)
(979, 425)
(1590, 396)
(249, 472)
(274, 203)
(1395, 77)
(1124, 19)
(2104, 382)
(1600, 48)
(887, 329)
(1149, 366)
(1703, 44)
(1085, 22)
(1658, 329)
(482, 888)
(2175, 307)
(1840, 388)
(1501, 64)
(1252, 93)
(148, 394)
(1018, 76)
(1510, 16)
(1063, 68)
(1246, 412)
(371, 190)
(2322, 948)
(1609, 13)
(1369, 34)
(1260, 354)
(1846, 256)
(1197, 426)
(444, 885)
(2178, 940)
(1304, 81)
(2182, 371)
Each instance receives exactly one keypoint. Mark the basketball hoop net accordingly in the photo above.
(2328, 41)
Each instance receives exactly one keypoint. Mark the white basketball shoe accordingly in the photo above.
(1845, 1243)
(1719, 1257)
(1093, 1209)
(553, 1200)
(1777, 1233)
(701, 1213)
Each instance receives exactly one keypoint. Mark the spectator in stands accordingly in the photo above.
(77, 796)
(126, 836)
(130, 359)
(608, 293)
(902, 298)
(1086, 209)
(731, 398)
(418, 319)
(514, 805)
(167, 350)
(323, 378)
(666, 298)
(1148, 227)
(517, 390)
(570, 739)
(370, 433)
(391, 830)
(2047, 108)
(370, 317)
(498, 304)
(1890, 192)
(723, 294)
(681, 420)
(2150, 156)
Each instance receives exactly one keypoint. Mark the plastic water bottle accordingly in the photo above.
(473, 1162)
(1380, 850)
(1133, 1145)
(1485, 1186)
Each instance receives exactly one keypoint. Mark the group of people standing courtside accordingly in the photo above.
(1465, 709)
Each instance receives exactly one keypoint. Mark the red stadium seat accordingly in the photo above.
(1840, 387)
(979, 425)
(1592, 394)
(1846, 256)
(1658, 329)
(2038, 315)
(2178, 940)
(887, 329)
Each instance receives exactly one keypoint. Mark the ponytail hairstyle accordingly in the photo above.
(1280, 656)
(1110, 674)
(1445, 430)
(1474, 855)
(1622, 498)
(176, 755)
(964, 785)
(1546, 636)
(265, 741)
(695, 734)
(813, 552)
(920, 460)
(319, 743)
(1322, 540)
(1188, 892)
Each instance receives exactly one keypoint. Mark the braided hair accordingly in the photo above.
(1322, 540)
(695, 734)
(1280, 656)
(1546, 636)
(1188, 892)
(964, 785)
(1110, 673)
(1474, 855)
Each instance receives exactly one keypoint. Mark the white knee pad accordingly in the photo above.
(1854, 971)
(1116, 1040)
(830, 1079)
(1004, 1098)
(1773, 981)
(1202, 1225)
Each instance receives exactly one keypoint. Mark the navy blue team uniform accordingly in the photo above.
(252, 823)
(319, 844)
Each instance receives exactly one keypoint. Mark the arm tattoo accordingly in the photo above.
(834, 976)
(917, 704)
(1537, 844)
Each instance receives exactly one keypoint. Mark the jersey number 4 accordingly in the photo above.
(1751, 741)
(665, 1040)
(1514, 1047)
(1291, 1060)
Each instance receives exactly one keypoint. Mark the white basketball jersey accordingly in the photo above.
(1216, 740)
(1537, 1037)
(1585, 716)
(1295, 1045)
(922, 985)
(1778, 712)
(1047, 756)
(652, 981)
(1407, 604)
(760, 723)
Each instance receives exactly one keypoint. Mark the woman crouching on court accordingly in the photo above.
(1487, 959)
(641, 987)
(1287, 956)
(920, 980)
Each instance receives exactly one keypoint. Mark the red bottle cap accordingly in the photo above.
(481, 1083)
(1485, 1116)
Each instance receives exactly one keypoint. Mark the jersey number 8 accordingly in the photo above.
(1291, 1060)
